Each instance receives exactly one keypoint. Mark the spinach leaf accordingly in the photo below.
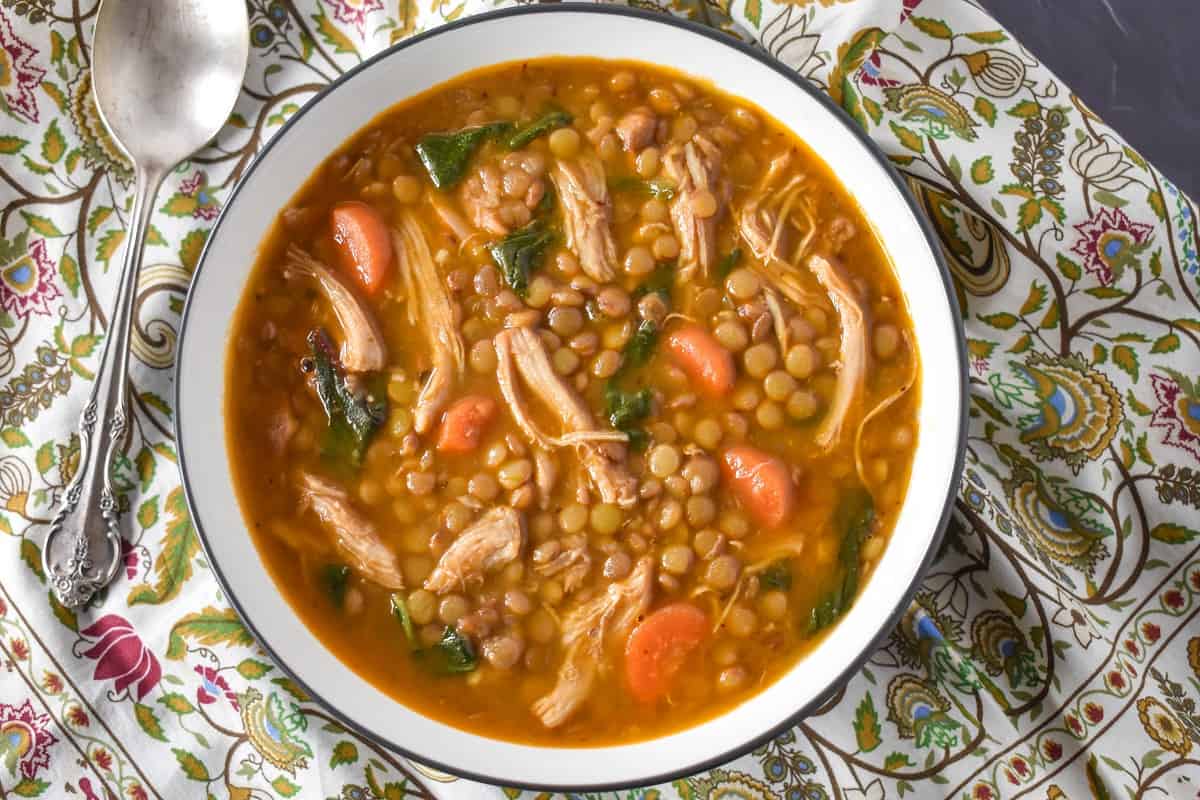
(855, 518)
(777, 576)
(726, 264)
(626, 409)
(400, 612)
(546, 204)
(353, 416)
(543, 124)
(334, 578)
(659, 282)
(663, 190)
(520, 253)
(446, 155)
(453, 655)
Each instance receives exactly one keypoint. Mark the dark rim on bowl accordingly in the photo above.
(960, 348)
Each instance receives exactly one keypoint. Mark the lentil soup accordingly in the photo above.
(571, 402)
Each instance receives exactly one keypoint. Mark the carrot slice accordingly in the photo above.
(707, 363)
(364, 244)
(658, 647)
(464, 422)
(762, 482)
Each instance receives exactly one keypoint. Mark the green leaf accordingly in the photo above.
(10, 145)
(14, 437)
(173, 566)
(253, 670)
(896, 760)
(1095, 781)
(988, 37)
(981, 170)
(45, 457)
(1070, 269)
(42, 225)
(445, 156)
(84, 345)
(1026, 109)
(69, 269)
(35, 167)
(1105, 292)
(144, 461)
(867, 729)
(54, 144)
(1143, 451)
(980, 348)
(284, 787)
(1139, 408)
(31, 554)
(1156, 263)
(192, 767)
(190, 248)
(933, 27)
(109, 243)
(520, 253)
(1035, 300)
(292, 688)
(1030, 214)
(166, 451)
(1155, 199)
(1168, 343)
(332, 36)
(1171, 533)
(147, 513)
(986, 109)
(180, 205)
(1002, 320)
(1109, 199)
(1125, 358)
(955, 169)
(209, 626)
(1021, 345)
(63, 614)
(1054, 208)
(873, 110)
(174, 701)
(549, 121)
(97, 217)
(157, 403)
(908, 137)
(753, 12)
(148, 720)
(30, 787)
(344, 752)
(154, 236)
(1015, 604)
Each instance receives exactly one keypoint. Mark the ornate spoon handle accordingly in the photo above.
(83, 548)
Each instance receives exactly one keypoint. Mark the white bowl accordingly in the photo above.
(408, 69)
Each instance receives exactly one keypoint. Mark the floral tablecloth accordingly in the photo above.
(1052, 651)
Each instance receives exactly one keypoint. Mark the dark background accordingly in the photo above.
(1136, 63)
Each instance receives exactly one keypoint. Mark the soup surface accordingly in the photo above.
(571, 401)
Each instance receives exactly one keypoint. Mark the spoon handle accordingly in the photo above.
(83, 548)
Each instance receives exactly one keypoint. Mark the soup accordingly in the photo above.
(571, 402)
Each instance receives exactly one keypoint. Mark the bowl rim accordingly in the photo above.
(758, 54)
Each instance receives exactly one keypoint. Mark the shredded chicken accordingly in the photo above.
(363, 349)
(777, 320)
(573, 561)
(852, 372)
(521, 350)
(695, 167)
(584, 631)
(545, 475)
(636, 129)
(356, 538)
(587, 214)
(429, 304)
(450, 217)
(494, 540)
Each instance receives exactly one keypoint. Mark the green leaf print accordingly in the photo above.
(933, 27)
(174, 564)
(208, 626)
(192, 766)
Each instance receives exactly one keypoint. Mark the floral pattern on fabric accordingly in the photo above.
(1050, 652)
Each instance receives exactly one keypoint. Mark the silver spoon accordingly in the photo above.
(166, 75)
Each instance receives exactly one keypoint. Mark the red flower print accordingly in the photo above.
(21, 74)
(1150, 632)
(20, 649)
(1194, 579)
(982, 792)
(1013, 779)
(119, 653)
(1093, 712)
(1020, 765)
(51, 683)
(1109, 241)
(1173, 598)
(1177, 413)
(26, 736)
(27, 277)
(85, 786)
(1074, 724)
(909, 6)
(1116, 681)
(1052, 750)
(354, 12)
(136, 792)
(77, 716)
(1132, 648)
(102, 758)
(212, 686)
